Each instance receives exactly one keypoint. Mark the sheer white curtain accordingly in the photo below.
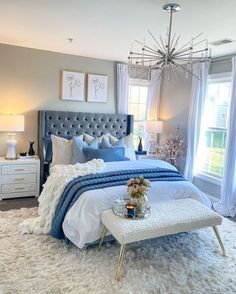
(227, 205)
(153, 103)
(196, 109)
(122, 88)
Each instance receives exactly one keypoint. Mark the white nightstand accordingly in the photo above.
(147, 156)
(19, 178)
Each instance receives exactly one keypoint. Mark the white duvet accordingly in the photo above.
(82, 222)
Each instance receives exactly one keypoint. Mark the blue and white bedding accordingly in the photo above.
(82, 224)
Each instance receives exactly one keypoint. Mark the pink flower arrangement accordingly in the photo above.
(138, 187)
(173, 148)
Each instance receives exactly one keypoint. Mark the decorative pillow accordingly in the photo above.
(88, 139)
(105, 143)
(61, 150)
(77, 149)
(128, 143)
(110, 154)
(47, 149)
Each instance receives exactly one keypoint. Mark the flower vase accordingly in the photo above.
(140, 145)
(141, 205)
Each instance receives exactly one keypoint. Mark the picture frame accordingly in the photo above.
(72, 86)
(97, 88)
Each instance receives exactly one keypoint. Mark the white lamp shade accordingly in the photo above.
(153, 126)
(12, 123)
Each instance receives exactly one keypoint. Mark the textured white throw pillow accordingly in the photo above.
(89, 139)
(61, 150)
(129, 145)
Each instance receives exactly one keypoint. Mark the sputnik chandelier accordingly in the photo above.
(166, 53)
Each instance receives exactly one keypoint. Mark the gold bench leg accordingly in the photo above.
(219, 240)
(103, 234)
(119, 265)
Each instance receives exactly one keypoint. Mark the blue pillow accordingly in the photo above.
(48, 149)
(107, 154)
(77, 149)
(105, 143)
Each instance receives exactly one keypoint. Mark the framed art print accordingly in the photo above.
(97, 88)
(72, 86)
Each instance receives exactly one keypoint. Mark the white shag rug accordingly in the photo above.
(183, 263)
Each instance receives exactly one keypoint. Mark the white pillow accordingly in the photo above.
(61, 150)
(129, 145)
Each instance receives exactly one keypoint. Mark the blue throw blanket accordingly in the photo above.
(103, 180)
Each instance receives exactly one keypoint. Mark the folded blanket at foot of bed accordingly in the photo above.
(102, 180)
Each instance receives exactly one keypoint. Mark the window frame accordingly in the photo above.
(139, 83)
(214, 78)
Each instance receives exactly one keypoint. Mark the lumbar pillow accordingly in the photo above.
(77, 149)
(61, 150)
(128, 143)
(111, 154)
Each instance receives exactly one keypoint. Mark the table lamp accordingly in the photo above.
(153, 127)
(11, 124)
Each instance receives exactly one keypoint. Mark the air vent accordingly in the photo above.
(222, 42)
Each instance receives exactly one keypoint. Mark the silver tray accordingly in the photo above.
(123, 214)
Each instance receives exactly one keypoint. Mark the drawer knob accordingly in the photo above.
(19, 188)
(19, 169)
(19, 179)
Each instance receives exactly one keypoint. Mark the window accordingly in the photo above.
(213, 137)
(138, 95)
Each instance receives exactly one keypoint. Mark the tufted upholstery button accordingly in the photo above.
(77, 118)
(49, 117)
(58, 118)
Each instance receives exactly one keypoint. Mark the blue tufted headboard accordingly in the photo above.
(69, 124)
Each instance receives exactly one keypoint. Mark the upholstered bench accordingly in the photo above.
(166, 218)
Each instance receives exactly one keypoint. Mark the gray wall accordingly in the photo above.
(175, 97)
(30, 81)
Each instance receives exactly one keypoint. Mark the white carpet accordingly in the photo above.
(184, 263)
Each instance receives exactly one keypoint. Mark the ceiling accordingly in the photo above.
(106, 28)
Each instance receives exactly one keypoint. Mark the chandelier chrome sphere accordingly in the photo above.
(166, 52)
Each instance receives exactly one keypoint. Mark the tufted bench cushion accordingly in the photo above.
(166, 218)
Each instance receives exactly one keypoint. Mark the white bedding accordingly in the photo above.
(82, 222)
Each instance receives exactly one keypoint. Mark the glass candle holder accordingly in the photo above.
(130, 210)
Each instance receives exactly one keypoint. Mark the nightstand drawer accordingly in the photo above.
(18, 188)
(21, 178)
(18, 169)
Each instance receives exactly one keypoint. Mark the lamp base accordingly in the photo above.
(11, 147)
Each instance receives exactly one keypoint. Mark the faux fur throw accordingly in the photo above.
(59, 177)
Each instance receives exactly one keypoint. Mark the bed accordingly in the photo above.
(81, 223)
